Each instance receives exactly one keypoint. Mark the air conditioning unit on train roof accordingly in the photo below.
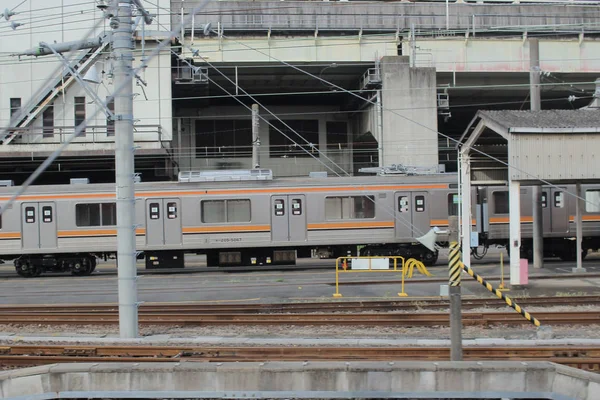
(226, 175)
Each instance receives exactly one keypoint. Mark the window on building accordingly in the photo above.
(337, 135)
(15, 106)
(48, 122)
(234, 210)
(592, 200)
(80, 113)
(453, 203)
(223, 138)
(110, 123)
(350, 207)
(501, 202)
(289, 143)
(96, 214)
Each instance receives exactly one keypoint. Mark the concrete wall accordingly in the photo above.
(324, 380)
(409, 100)
(189, 158)
(74, 20)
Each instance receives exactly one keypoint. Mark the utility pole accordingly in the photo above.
(535, 97)
(255, 137)
(122, 54)
(454, 271)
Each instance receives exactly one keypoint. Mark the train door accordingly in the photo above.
(403, 214)
(547, 210)
(420, 214)
(163, 222)
(412, 214)
(38, 225)
(560, 212)
(288, 218)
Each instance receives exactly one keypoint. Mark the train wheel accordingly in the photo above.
(78, 268)
(23, 269)
(430, 258)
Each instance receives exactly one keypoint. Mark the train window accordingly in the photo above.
(109, 214)
(47, 214)
(238, 210)
(352, 207)
(87, 214)
(453, 203)
(559, 198)
(592, 200)
(30, 215)
(154, 211)
(501, 202)
(419, 203)
(215, 211)
(96, 214)
(279, 208)
(544, 200)
(403, 204)
(296, 207)
(171, 210)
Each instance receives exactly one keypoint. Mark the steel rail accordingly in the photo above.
(321, 319)
(345, 306)
(586, 357)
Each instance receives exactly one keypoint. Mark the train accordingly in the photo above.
(246, 218)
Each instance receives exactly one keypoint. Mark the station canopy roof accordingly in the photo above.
(554, 145)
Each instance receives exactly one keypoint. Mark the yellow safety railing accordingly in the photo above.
(346, 270)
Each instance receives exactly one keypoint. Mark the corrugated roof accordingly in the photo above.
(544, 118)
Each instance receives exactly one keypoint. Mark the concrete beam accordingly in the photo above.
(540, 380)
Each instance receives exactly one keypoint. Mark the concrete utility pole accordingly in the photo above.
(255, 137)
(535, 96)
(454, 270)
(124, 168)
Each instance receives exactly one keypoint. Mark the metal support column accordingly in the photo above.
(465, 198)
(454, 271)
(514, 242)
(124, 170)
(579, 230)
(535, 96)
(255, 137)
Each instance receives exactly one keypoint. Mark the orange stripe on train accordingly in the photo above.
(351, 225)
(210, 192)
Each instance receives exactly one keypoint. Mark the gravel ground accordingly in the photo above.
(525, 331)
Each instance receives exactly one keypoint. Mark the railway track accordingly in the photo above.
(313, 319)
(583, 357)
(332, 306)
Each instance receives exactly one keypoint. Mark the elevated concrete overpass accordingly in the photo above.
(474, 56)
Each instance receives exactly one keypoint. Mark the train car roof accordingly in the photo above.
(446, 178)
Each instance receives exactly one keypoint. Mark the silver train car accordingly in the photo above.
(67, 227)
(59, 228)
(558, 210)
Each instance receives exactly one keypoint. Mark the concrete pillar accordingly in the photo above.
(538, 227)
(465, 196)
(578, 228)
(514, 201)
(409, 98)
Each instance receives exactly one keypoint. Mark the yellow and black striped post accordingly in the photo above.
(501, 295)
(454, 264)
